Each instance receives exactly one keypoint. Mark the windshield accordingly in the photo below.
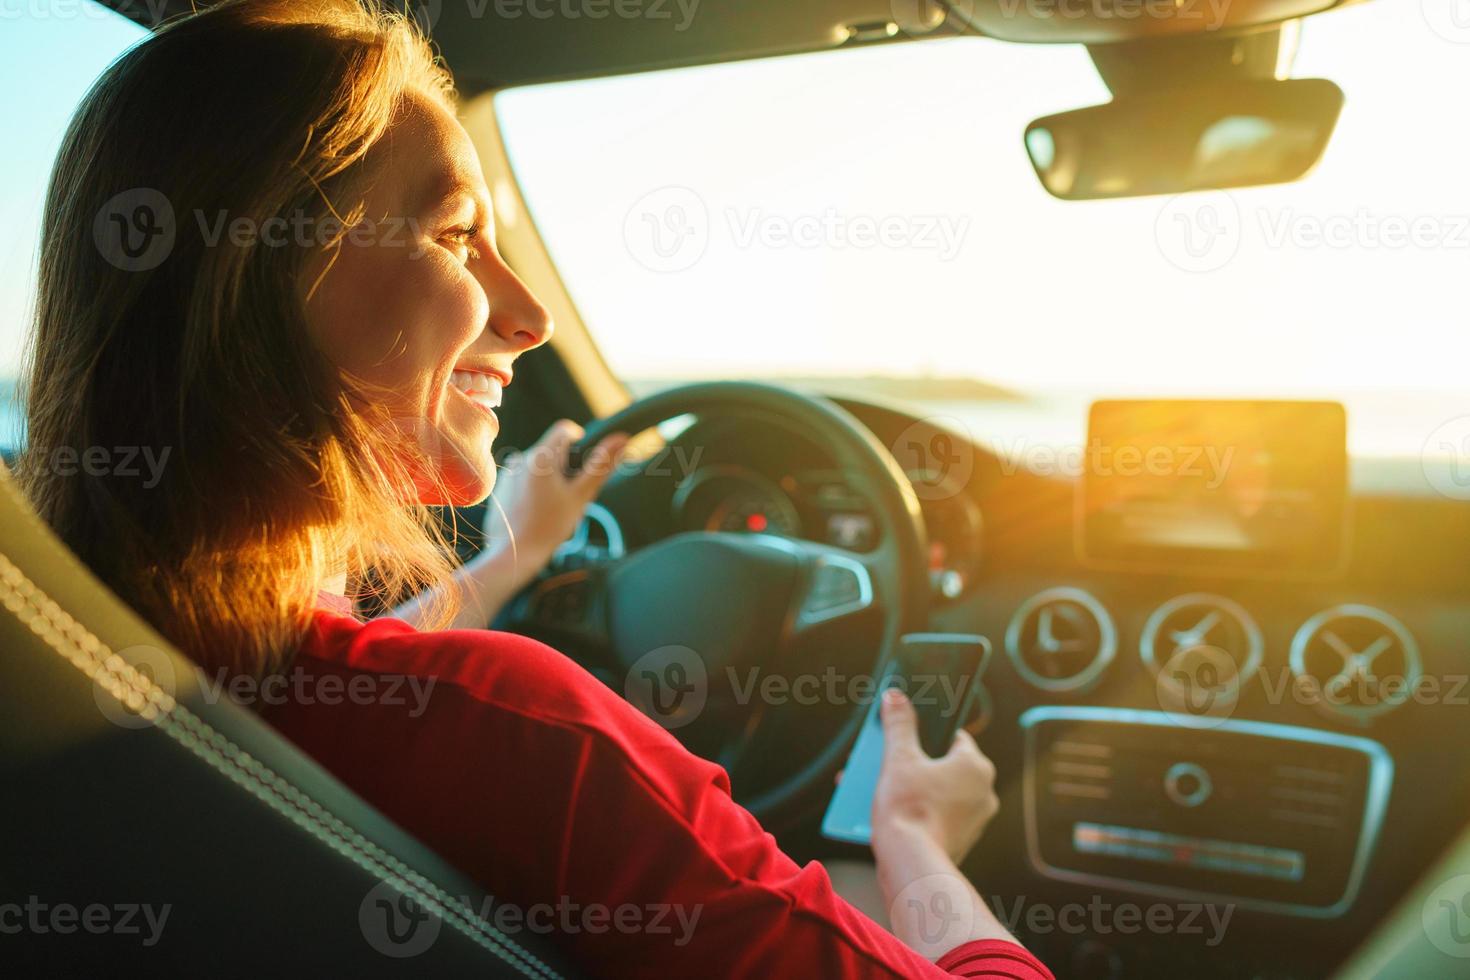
(869, 217)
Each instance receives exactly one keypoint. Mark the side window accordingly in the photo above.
(50, 53)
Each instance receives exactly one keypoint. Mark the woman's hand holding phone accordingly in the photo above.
(949, 799)
(927, 815)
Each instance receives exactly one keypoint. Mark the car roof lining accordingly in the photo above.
(489, 52)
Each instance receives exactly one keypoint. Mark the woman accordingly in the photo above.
(268, 245)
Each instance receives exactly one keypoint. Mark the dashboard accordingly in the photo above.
(1279, 733)
(819, 504)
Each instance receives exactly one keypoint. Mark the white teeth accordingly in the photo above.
(480, 387)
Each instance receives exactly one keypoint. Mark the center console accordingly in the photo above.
(1271, 817)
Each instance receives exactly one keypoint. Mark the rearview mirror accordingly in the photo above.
(1235, 134)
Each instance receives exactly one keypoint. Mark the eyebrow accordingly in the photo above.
(454, 188)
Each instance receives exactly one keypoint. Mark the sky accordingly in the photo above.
(50, 53)
(779, 173)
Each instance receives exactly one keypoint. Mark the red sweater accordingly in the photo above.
(522, 769)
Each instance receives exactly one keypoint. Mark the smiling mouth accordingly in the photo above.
(483, 389)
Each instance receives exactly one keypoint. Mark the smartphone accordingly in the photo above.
(941, 673)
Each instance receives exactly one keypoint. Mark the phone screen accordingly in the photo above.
(941, 674)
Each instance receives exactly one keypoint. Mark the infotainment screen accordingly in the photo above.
(1246, 486)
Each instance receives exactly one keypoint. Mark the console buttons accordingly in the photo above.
(1187, 784)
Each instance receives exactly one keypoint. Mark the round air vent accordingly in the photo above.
(1061, 640)
(1361, 660)
(1202, 646)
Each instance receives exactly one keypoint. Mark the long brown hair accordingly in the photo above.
(275, 475)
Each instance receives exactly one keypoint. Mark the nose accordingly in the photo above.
(516, 315)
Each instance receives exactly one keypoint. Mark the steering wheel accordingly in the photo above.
(674, 616)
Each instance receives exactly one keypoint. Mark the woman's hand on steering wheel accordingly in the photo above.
(536, 507)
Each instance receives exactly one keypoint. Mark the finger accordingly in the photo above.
(561, 433)
(601, 463)
(964, 742)
(966, 749)
(900, 725)
(553, 448)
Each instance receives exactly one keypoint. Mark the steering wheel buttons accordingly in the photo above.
(834, 586)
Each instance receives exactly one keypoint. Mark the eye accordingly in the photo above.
(464, 237)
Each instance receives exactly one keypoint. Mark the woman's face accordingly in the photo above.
(420, 308)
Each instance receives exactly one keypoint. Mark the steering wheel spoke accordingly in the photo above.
(838, 584)
(570, 606)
